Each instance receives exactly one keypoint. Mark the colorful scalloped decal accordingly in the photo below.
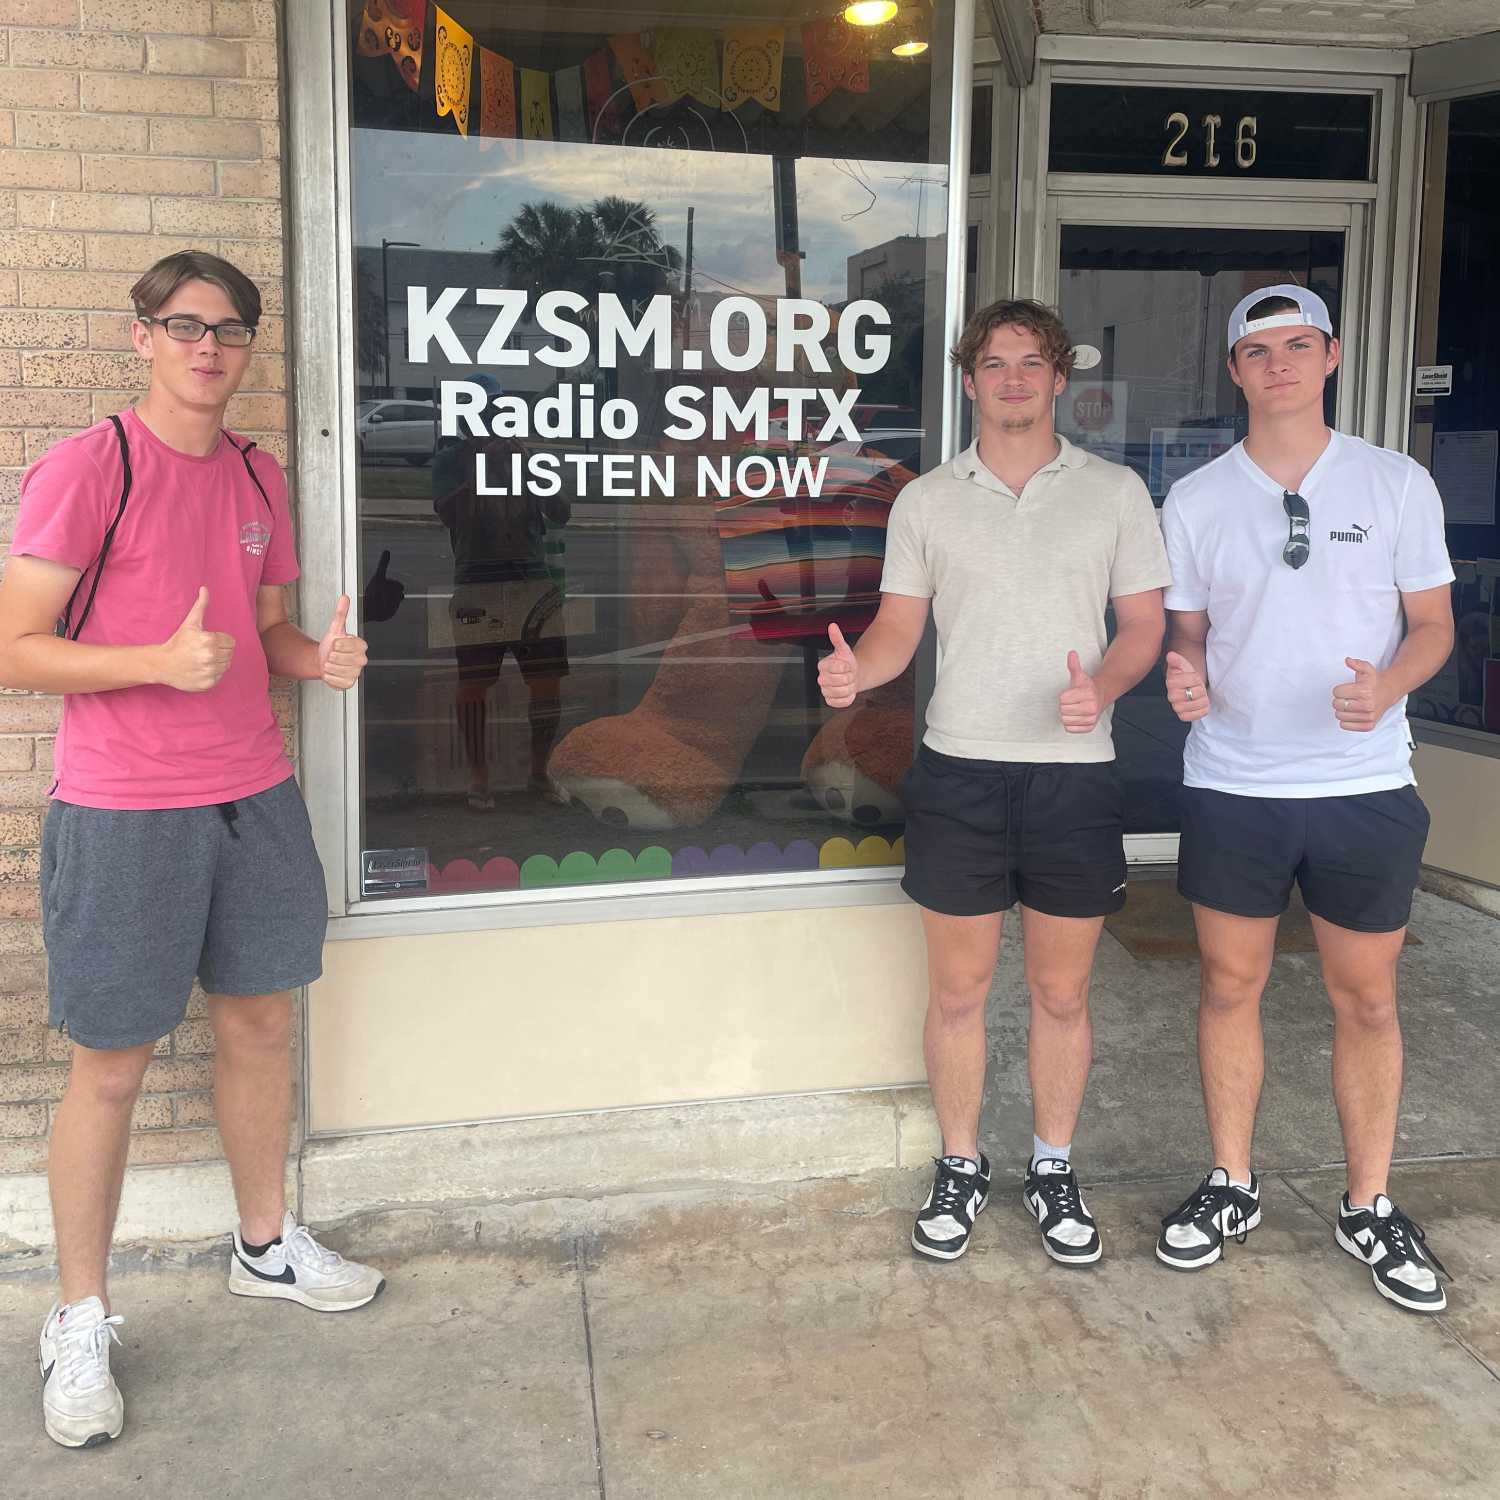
(840, 854)
(759, 859)
(581, 868)
(498, 874)
(541, 871)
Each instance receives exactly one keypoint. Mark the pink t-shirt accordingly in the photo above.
(189, 523)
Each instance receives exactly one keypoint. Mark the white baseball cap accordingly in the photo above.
(1311, 310)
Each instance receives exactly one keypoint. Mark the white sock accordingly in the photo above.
(1244, 1187)
(1041, 1151)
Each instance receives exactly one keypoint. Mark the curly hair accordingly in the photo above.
(1035, 317)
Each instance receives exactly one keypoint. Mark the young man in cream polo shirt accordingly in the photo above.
(1310, 595)
(1017, 546)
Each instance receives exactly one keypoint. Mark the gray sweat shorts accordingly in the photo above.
(136, 904)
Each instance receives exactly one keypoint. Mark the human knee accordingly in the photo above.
(1370, 1004)
(108, 1078)
(1232, 984)
(259, 1024)
(958, 997)
(1061, 999)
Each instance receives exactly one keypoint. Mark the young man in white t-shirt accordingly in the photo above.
(1309, 596)
(1017, 546)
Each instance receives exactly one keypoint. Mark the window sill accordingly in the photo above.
(482, 911)
(1455, 737)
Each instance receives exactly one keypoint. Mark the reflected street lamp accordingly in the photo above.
(385, 300)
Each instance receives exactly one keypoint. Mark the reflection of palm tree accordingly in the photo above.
(900, 382)
(642, 263)
(548, 247)
(372, 326)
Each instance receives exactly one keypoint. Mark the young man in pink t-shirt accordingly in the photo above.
(146, 585)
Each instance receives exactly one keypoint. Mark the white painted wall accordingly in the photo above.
(1462, 791)
(551, 1020)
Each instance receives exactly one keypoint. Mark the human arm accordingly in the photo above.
(883, 652)
(1187, 663)
(33, 657)
(337, 659)
(1361, 704)
(1138, 633)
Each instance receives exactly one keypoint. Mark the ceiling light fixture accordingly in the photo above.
(870, 12)
(912, 34)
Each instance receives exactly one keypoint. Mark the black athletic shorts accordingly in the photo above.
(1356, 858)
(984, 834)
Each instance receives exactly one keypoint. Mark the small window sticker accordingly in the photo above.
(1434, 380)
(383, 872)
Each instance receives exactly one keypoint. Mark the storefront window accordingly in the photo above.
(649, 335)
(1456, 408)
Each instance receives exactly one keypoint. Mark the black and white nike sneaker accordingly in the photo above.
(1052, 1198)
(960, 1189)
(1192, 1235)
(81, 1404)
(1405, 1271)
(297, 1268)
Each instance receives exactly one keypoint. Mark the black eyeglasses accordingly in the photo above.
(190, 330)
(1299, 539)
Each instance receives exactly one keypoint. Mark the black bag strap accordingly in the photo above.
(244, 453)
(65, 625)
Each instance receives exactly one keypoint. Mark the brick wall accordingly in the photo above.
(128, 129)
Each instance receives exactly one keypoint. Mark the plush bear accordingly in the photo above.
(670, 760)
(731, 583)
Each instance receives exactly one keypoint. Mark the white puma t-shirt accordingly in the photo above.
(1278, 636)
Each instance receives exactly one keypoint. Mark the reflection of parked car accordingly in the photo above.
(893, 445)
(397, 429)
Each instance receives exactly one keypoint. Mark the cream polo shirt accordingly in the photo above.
(1016, 582)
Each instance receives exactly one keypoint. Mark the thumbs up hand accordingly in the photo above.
(383, 594)
(1360, 705)
(341, 656)
(1187, 692)
(195, 659)
(838, 673)
(1079, 703)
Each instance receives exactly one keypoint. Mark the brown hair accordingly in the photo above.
(1035, 317)
(156, 288)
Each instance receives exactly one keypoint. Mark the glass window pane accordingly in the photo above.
(653, 310)
(1457, 434)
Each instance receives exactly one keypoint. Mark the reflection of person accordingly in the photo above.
(1017, 545)
(507, 597)
(177, 846)
(1295, 557)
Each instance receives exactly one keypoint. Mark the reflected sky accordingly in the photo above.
(449, 193)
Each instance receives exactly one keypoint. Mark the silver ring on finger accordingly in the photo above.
(1189, 693)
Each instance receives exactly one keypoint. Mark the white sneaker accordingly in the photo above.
(81, 1404)
(299, 1269)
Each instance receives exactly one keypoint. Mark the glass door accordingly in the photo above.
(1146, 291)
(1455, 416)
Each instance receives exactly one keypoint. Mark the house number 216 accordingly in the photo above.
(1178, 125)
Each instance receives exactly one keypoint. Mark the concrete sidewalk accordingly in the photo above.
(788, 1344)
(727, 1340)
